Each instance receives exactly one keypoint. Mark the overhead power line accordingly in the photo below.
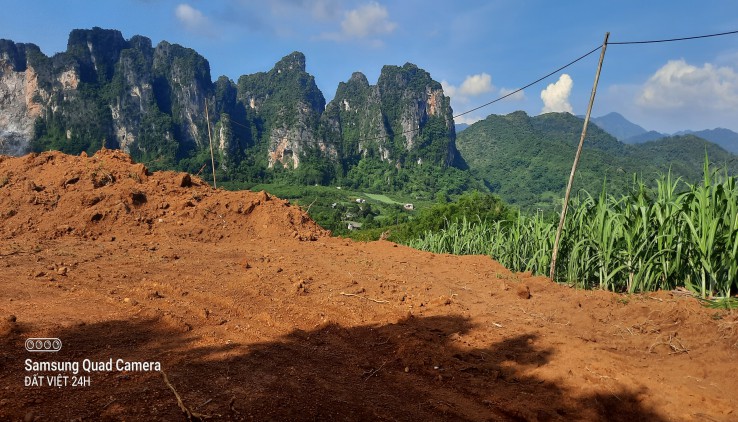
(673, 39)
(530, 84)
(587, 54)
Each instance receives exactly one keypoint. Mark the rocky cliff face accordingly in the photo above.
(397, 120)
(410, 98)
(150, 101)
(289, 103)
(104, 90)
(185, 76)
(354, 120)
(20, 96)
(135, 95)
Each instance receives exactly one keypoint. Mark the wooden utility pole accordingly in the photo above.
(212, 156)
(552, 273)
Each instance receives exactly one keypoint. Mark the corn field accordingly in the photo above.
(653, 238)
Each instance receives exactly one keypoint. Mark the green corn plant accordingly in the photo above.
(649, 239)
(731, 240)
(541, 234)
(606, 232)
(668, 227)
(702, 216)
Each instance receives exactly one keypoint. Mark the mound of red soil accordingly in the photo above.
(54, 194)
(253, 312)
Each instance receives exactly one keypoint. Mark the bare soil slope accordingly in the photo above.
(256, 313)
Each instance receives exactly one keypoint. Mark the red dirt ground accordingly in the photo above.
(256, 313)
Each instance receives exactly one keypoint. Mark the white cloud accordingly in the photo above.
(448, 89)
(680, 96)
(679, 85)
(476, 85)
(517, 96)
(472, 86)
(556, 95)
(368, 22)
(193, 19)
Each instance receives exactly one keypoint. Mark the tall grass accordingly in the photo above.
(676, 234)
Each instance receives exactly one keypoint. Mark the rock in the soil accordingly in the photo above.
(185, 181)
(71, 181)
(523, 291)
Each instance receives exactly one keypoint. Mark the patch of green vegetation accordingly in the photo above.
(335, 207)
(381, 198)
(675, 235)
(727, 303)
(527, 159)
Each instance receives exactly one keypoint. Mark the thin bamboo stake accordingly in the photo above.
(552, 273)
(212, 156)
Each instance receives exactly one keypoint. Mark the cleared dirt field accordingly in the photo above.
(256, 313)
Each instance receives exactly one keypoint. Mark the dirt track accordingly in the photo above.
(255, 313)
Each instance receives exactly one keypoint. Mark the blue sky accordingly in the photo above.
(478, 49)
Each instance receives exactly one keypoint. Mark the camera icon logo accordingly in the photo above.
(43, 344)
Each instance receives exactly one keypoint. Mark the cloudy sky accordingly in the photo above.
(479, 50)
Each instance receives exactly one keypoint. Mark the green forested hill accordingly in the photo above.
(527, 159)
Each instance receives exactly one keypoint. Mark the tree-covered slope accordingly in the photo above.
(395, 135)
(527, 160)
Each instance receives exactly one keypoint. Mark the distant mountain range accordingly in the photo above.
(726, 138)
(630, 133)
(618, 126)
(159, 103)
(527, 159)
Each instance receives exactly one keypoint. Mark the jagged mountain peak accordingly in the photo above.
(360, 78)
(97, 50)
(107, 39)
(139, 42)
(294, 61)
(618, 126)
(404, 118)
(407, 75)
